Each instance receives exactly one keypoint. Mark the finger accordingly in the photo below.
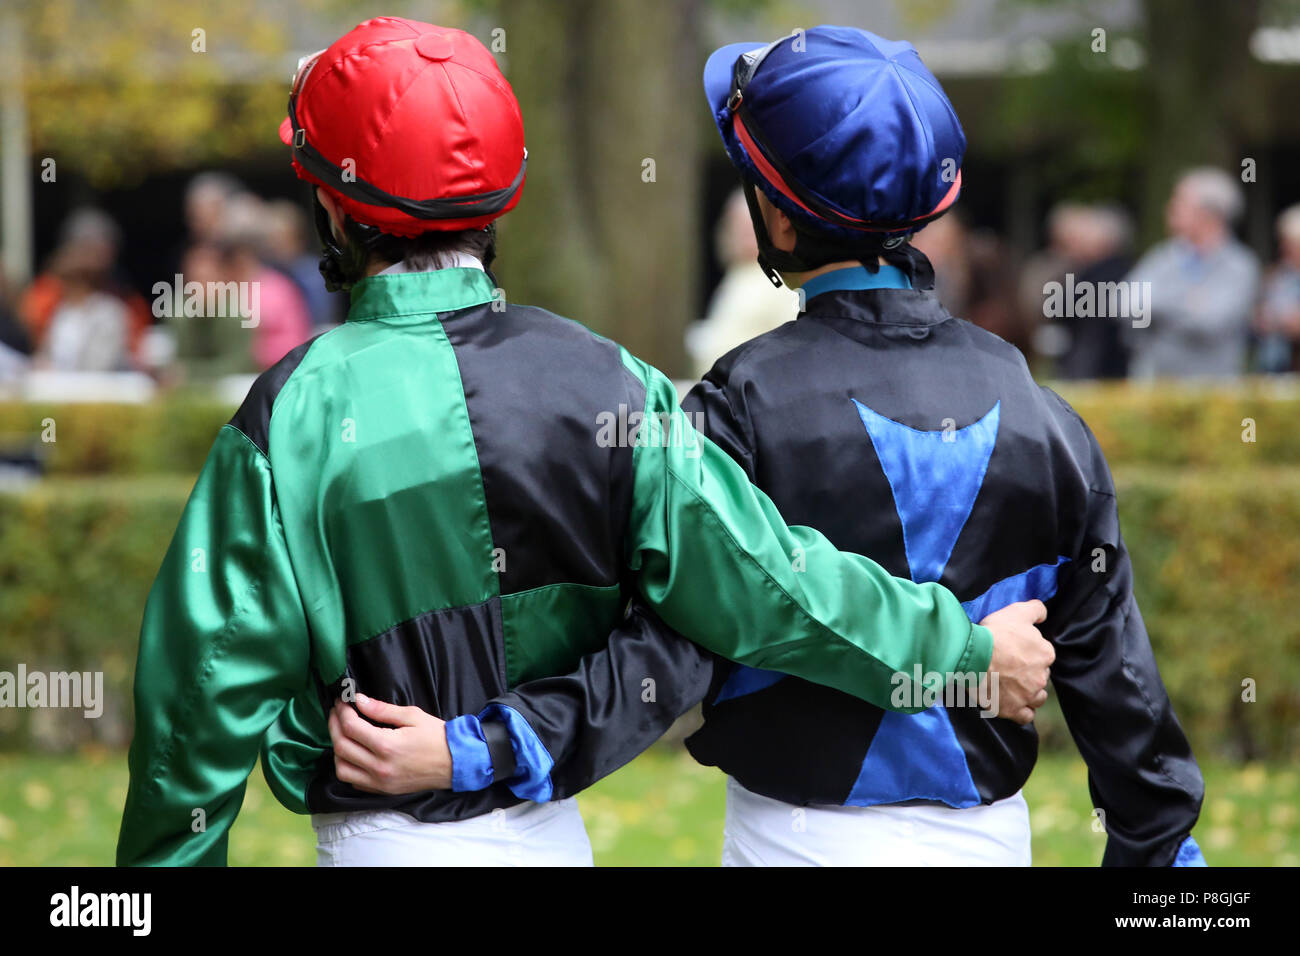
(1024, 716)
(353, 775)
(333, 723)
(1038, 700)
(339, 740)
(1037, 609)
(368, 736)
(351, 751)
(386, 713)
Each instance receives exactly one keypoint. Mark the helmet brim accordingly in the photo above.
(717, 77)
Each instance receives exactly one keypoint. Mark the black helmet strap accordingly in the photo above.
(352, 186)
(341, 265)
(344, 265)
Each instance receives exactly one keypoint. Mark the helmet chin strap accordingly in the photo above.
(812, 251)
(913, 262)
(341, 266)
(773, 261)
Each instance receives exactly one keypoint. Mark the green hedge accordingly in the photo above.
(1216, 557)
(77, 558)
(170, 436)
(1166, 426)
(1182, 425)
(1216, 554)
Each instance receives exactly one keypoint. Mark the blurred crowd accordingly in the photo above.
(1201, 306)
(80, 314)
(1196, 305)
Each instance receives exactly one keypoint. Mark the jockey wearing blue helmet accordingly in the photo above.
(904, 433)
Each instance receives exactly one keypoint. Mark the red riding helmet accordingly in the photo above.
(410, 127)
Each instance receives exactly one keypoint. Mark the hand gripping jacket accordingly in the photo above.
(445, 497)
(916, 438)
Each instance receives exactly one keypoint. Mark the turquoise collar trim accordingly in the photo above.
(856, 278)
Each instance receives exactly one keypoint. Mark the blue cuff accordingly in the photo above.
(533, 762)
(471, 764)
(1189, 854)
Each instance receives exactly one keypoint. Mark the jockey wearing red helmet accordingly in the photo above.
(408, 128)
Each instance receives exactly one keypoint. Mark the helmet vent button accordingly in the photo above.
(434, 46)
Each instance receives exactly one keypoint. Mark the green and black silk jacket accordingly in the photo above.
(443, 497)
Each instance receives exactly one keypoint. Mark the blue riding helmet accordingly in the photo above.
(846, 132)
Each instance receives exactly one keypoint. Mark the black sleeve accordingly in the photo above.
(567, 732)
(1141, 772)
(618, 702)
(712, 413)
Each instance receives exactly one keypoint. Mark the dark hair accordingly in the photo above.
(344, 264)
(432, 250)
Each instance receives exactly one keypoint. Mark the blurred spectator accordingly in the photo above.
(206, 206)
(1062, 254)
(208, 344)
(285, 248)
(1092, 347)
(81, 290)
(15, 346)
(745, 303)
(206, 197)
(89, 329)
(282, 321)
(1203, 284)
(1277, 323)
(973, 277)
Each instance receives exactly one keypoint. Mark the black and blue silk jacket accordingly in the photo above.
(902, 433)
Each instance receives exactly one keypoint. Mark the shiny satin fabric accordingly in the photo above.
(224, 643)
(383, 509)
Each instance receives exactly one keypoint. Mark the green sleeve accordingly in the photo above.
(222, 648)
(715, 559)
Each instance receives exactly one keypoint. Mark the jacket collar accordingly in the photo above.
(885, 297)
(418, 295)
(857, 277)
(879, 306)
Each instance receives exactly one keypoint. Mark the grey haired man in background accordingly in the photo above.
(1203, 285)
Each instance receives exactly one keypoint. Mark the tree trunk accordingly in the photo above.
(1200, 79)
(606, 230)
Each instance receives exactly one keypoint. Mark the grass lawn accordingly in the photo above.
(662, 809)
